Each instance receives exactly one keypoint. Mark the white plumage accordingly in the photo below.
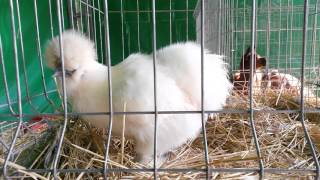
(178, 89)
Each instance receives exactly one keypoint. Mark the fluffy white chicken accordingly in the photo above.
(178, 89)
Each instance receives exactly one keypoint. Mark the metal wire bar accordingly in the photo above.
(50, 17)
(279, 36)
(71, 13)
(88, 19)
(150, 11)
(138, 25)
(154, 55)
(91, 7)
(5, 125)
(4, 78)
(3, 144)
(24, 100)
(268, 35)
(20, 119)
(221, 19)
(304, 49)
(64, 93)
(232, 35)
(254, 133)
(233, 32)
(291, 34)
(25, 75)
(108, 61)
(76, 15)
(184, 170)
(287, 35)
(219, 27)
(203, 123)
(314, 36)
(122, 32)
(40, 55)
(80, 14)
(187, 20)
(243, 32)
(170, 21)
(94, 25)
(62, 15)
(100, 34)
(225, 28)
(274, 30)
(232, 111)
(227, 34)
(226, 46)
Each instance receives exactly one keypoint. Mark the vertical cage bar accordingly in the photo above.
(279, 36)
(205, 142)
(122, 28)
(80, 14)
(88, 18)
(71, 13)
(154, 48)
(108, 61)
(244, 31)
(314, 37)
(138, 23)
(170, 20)
(287, 35)
(77, 14)
(50, 17)
(253, 54)
(227, 26)
(230, 43)
(62, 16)
(43, 81)
(268, 36)
(4, 78)
(219, 27)
(222, 17)
(291, 29)
(302, 108)
(64, 94)
(94, 28)
(25, 75)
(100, 33)
(19, 117)
(231, 34)
(187, 20)
(236, 47)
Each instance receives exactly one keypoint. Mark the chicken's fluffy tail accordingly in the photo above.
(182, 61)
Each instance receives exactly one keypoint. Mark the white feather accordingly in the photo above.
(178, 89)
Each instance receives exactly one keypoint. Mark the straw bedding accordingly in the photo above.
(230, 144)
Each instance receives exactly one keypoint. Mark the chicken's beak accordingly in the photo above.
(57, 73)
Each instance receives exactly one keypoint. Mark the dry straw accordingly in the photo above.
(230, 143)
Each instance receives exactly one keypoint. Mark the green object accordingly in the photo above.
(31, 55)
(40, 103)
(279, 33)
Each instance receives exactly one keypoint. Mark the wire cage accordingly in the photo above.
(267, 132)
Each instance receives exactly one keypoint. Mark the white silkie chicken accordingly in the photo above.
(178, 89)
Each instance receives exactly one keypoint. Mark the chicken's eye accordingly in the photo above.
(70, 72)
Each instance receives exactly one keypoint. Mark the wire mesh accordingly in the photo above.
(277, 29)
